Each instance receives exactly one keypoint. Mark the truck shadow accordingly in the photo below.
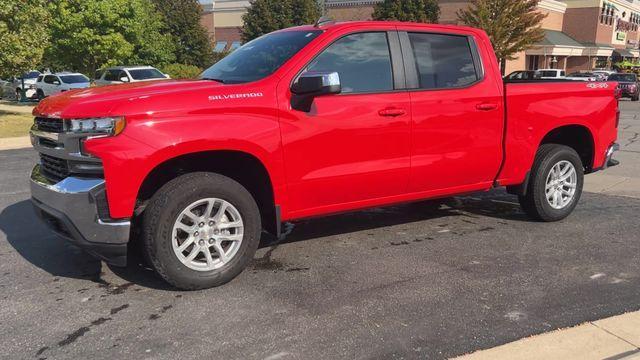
(44, 249)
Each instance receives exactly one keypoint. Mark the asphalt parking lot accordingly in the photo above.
(427, 280)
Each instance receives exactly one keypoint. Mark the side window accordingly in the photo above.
(49, 79)
(562, 73)
(111, 75)
(98, 75)
(40, 78)
(362, 61)
(121, 75)
(443, 61)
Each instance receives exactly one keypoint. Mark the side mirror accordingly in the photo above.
(312, 84)
(124, 79)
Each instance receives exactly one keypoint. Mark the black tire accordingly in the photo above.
(535, 203)
(40, 95)
(165, 206)
(635, 98)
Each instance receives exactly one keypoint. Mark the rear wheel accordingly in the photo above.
(40, 94)
(555, 185)
(201, 230)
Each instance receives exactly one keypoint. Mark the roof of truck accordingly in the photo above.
(336, 25)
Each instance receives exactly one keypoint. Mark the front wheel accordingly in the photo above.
(555, 184)
(636, 98)
(201, 230)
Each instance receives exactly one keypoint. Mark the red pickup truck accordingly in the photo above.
(304, 122)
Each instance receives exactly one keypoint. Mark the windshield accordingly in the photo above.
(259, 58)
(580, 75)
(623, 77)
(31, 75)
(74, 79)
(145, 74)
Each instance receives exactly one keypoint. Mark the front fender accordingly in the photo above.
(128, 158)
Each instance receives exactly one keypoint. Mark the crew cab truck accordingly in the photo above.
(305, 122)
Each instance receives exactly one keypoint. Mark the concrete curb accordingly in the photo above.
(616, 337)
(15, 143)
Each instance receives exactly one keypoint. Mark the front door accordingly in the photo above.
(351, 149)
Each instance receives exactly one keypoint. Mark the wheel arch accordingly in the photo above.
(240, 166)
(576, 136)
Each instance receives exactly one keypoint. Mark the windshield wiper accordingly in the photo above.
(214, 79)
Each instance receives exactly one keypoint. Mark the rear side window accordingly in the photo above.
(443, 61)
(362, 61)
(145, 74)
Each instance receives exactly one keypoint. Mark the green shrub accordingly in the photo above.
(181, 71)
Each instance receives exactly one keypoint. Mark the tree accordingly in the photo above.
(426, 11)
(265, 16)
(23, 35)
(88, 35)
(190, 38)
(512, 25)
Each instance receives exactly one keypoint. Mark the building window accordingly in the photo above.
(220, 46)
(235, 45)
(533, 62)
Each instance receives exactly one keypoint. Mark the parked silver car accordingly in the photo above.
(28, 80)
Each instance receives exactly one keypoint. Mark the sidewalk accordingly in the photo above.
(616, 338)
(16, 107)
(15, 143)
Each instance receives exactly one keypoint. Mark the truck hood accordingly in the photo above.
(100, 101)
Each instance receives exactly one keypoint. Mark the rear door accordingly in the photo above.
(457, 110)
(351, 148)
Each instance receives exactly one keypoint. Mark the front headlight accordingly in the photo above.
(107, 126)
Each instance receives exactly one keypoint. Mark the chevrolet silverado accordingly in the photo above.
(304, 122)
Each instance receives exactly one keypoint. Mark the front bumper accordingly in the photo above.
(70, 208)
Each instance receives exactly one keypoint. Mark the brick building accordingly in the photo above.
(579, 34)
(223, 21)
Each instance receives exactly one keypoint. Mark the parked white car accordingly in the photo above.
(585, 76)
(14, 89)
(126, 74)
(551, 73)
(50, 84)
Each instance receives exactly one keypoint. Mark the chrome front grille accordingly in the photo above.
(53, 168)
(49, 125)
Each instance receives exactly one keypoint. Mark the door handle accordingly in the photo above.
(393, 112)
(486, 106)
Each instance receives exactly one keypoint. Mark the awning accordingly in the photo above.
(623, 53)
(558, 38)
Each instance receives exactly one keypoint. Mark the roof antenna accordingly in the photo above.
(323, 20)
